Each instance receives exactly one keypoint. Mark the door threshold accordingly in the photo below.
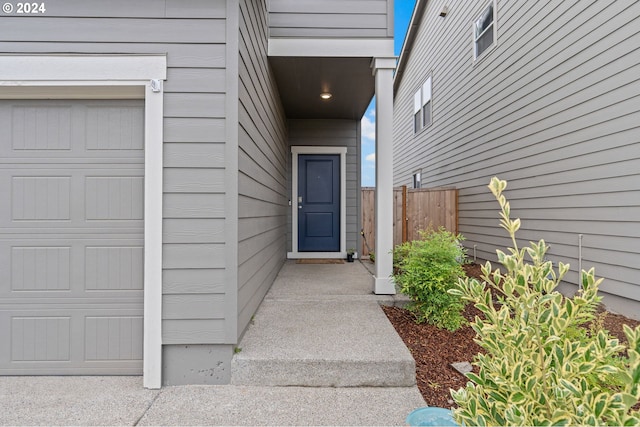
(316, 255)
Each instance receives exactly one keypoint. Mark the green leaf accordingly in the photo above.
(518, 398)
(561, 417)
(569, 306)
(628, 400)
(555, 308)
(476, 379)
(586, 368)
(497, 396)
(559, 355)
(473, 408)
(515, 225)
(600, 405)
(569, 386)
(544, 316)
(590, 420)
(632, 421)
(531, 382)
(635, 376)
(517, 371)
(602, 339)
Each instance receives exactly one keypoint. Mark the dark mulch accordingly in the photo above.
(435, 349)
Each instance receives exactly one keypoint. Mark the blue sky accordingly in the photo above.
(403, 9)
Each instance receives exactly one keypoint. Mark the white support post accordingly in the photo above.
(383, 72)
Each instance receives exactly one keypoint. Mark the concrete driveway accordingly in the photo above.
(123, 401)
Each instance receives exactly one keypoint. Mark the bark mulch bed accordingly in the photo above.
(435, 349)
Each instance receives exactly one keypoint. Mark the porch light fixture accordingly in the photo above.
(444, 12)
(325, 95)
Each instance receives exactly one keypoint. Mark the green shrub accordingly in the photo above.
(536, 370)
(425, 270)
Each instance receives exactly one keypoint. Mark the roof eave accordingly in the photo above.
(409, 39)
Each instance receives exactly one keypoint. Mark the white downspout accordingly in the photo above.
(580, 261)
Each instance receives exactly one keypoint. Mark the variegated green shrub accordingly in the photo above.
(533, 372)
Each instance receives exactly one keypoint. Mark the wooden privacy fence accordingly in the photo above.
(414, 209)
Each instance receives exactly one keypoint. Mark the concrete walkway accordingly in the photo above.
(321, 326)
(347, 366)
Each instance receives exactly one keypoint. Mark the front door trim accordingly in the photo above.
(296, 151)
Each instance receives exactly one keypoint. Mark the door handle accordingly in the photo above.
(299, 202)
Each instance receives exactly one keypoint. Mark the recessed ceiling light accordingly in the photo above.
(325, 95)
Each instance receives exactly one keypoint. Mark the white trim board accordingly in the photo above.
(352, 48)
(82, 68)
(81, 73)
(296, 151)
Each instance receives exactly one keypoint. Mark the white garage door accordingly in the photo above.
(71, 237)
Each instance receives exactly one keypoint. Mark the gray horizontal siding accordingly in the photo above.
(334, 133)
(262, 134)
(554, 109)
(105, 30)
(192, 281)
(192, 33)
(179, 55)
(178, 205)
(331, 18)
(137, 9)
(189, 331)
(195, 155)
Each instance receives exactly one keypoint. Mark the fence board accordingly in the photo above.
(368, 219)
(424, 206)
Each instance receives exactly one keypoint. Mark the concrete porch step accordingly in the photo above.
(344, 341)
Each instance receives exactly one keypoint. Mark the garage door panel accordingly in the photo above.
(39, 338)
(39, 127)
(74, 267)
(37, 198)
(40, 268)
(71, 237)
(114, 198)
(67, 341)
(113, 338)
(114, 128)
(72, 129)
(114, 267)
(73, 196)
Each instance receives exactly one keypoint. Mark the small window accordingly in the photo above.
(417, 180)
(422, 106)
(484, 31)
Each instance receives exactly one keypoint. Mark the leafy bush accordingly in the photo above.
(534, 371)
(425, 270)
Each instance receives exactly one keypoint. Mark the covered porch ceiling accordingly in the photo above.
(301, 80)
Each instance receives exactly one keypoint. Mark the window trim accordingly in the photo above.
(494, 28)
(420, 111)
(417, 178)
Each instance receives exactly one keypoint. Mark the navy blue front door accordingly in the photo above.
(319, 203)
